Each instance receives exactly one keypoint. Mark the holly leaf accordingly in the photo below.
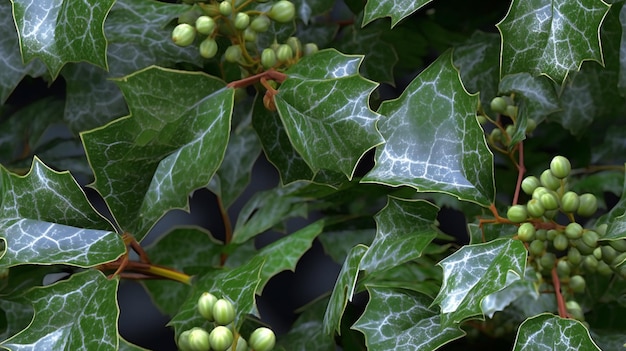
(343, 290)
(340, 127)
(45, 218)
(307, 332)
(550, 332)
(308, 8)
(434, 121)
(179, 125)
(396, 319)
(404, 229)
(616, 219)
(564, 35)
(79, 313)
(285, 253)
(476, 271)
(337, 244)
(58, 32)
(13, 69)
(397, 10)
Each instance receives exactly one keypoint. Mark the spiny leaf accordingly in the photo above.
(434, 142)
(64, 309)
(179, 125)
(404, 229)
(45, 218)
(550, 332)
(564, 34)
(399, 319)
(616, 219)
(397, 9)
(325, 96)
(337, 244)
(58, 32)
(476, 271)
(343, 290)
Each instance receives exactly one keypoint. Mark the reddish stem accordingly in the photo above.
(271, 74)
(521, 169)
(557, 292)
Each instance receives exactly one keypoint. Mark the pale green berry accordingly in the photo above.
(517, 213)
(183, 34)
(223, 312)
(529, 184)
(590, 263)
(608, 253)
(511, 111)
(619, 245)
(570, 202)
(282, 11)
(590, 238)
(588, 205)
(205, 25)
(284, 53)
(604, 268)
(249, 35)
(262, 339)
(540, 190)
(310, 49)
(198, 340)
(549, 181)
(574, 309)
(577, 283)
(233, 53)
(260, 24)
(560, 242)
(534, 208)
(295, 44)
(536, 247)
(563, 269)
(242, 345)
(221, 338)
(242, 21)
(226, 8)
(205, 305)
(531, 125)
(183, 341)
(549, 201)
(526, 232)
(268, 58)
(208, 48)
(560, 167)
(574, 230)
(498, 104)
(573, 256)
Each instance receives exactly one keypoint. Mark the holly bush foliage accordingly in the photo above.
(377, 116)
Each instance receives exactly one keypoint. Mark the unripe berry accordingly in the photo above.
(549, 201)
(597, 253)
(604, 269)
(539, 191)
(529, 184)
(221, 338)
(242, 345)
(552, 233)
(232, 53)
(208, 48)
(601, 229)
(183, 34)
(534, 208)
(310, 49)
(563, 268)
(284, 53)
(574, 309)
(574, 230)
(282, 11)
(295, 45)
(547, 260)
(511, 111)
(618, 245)
(226, 8)
(560, 167)
(242, 21)
(619, 259)
(498, 104)
(590, 263)
(588, 205)
(268, 58)
(531, 125)
(205, 25)
(570, 202)
(249, 35)
(560, 242)
(198, 340)
(517, 213)
(496, 135)
(577, 283)
(573, 256)
(205, 305)
(189, 17)
(260, 24)
(262, 339)
(183, 341)
(608, 254)
(536, 247)
(549, 181)
(223, 312)
(590, 238)
(526, 232)
(541, 234)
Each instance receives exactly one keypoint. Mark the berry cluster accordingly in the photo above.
(207, 21)
(222, 336)
(504, 105)
(572, 249)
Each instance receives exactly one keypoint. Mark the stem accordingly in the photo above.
(521, 169)
(228, 229)
(271, 74)
(557, 292)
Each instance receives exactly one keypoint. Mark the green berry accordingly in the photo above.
(549, 181)
(560, 242)
(574, 230)
(590, 263)
(619, 245)
(570, 202)
(534, 208)
(242, 345)
(577, 283)
(597, 253)
(262, 339)
(498, 104)
(183, 34)
(541, 234)
(552, 233)
(249, 35)
(517, 213)
(189, 17)
(526, 232)
(268, 58)
(536, 247)
(563, 268)
(619, 259)
(511, 111)
(284, 53)
(310, 49)
(295, 45)
(529, 184)
(560, 167)
(531, 125)
(601, 229)
(608, 254)
(574, 309)
(539, 191)
(208, 48)
(205, 25)
(549, 201)
(282, 11)
(548, 260)
(260, 24)
(223, 312)
(496, 135)
(582, 247)
(604, 268)
(232, 53)
(205, 305)
(183, 341)
(198, 340)
(588, 205)
(221, 338)
(573, 256)
(590, 238)
(226, 8)
(242, 21)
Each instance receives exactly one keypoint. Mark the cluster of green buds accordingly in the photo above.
(240, 23)
(505, 106)
(222, 336)
(572, 249)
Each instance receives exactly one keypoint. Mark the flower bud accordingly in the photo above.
(183, 34)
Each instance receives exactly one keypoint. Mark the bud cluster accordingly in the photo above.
(504, 105)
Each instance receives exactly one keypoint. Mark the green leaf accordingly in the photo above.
(285, 253)
(58, 32)
(45, 218)
(307, 332)
(476, 271)
(563, 35)
(616, 219)
(550, 332)
(434, 143)
(600, 183)
(13, 69)
(397, 10)
(187, 249)
(79, 313)
(397, 319)
(404, 229)
(18, 316)
(337, 244)
(340, 127)
(343, 290)
(127, 346)
(238, 285)
(310, 8)
(179, 125)
(379, 56)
